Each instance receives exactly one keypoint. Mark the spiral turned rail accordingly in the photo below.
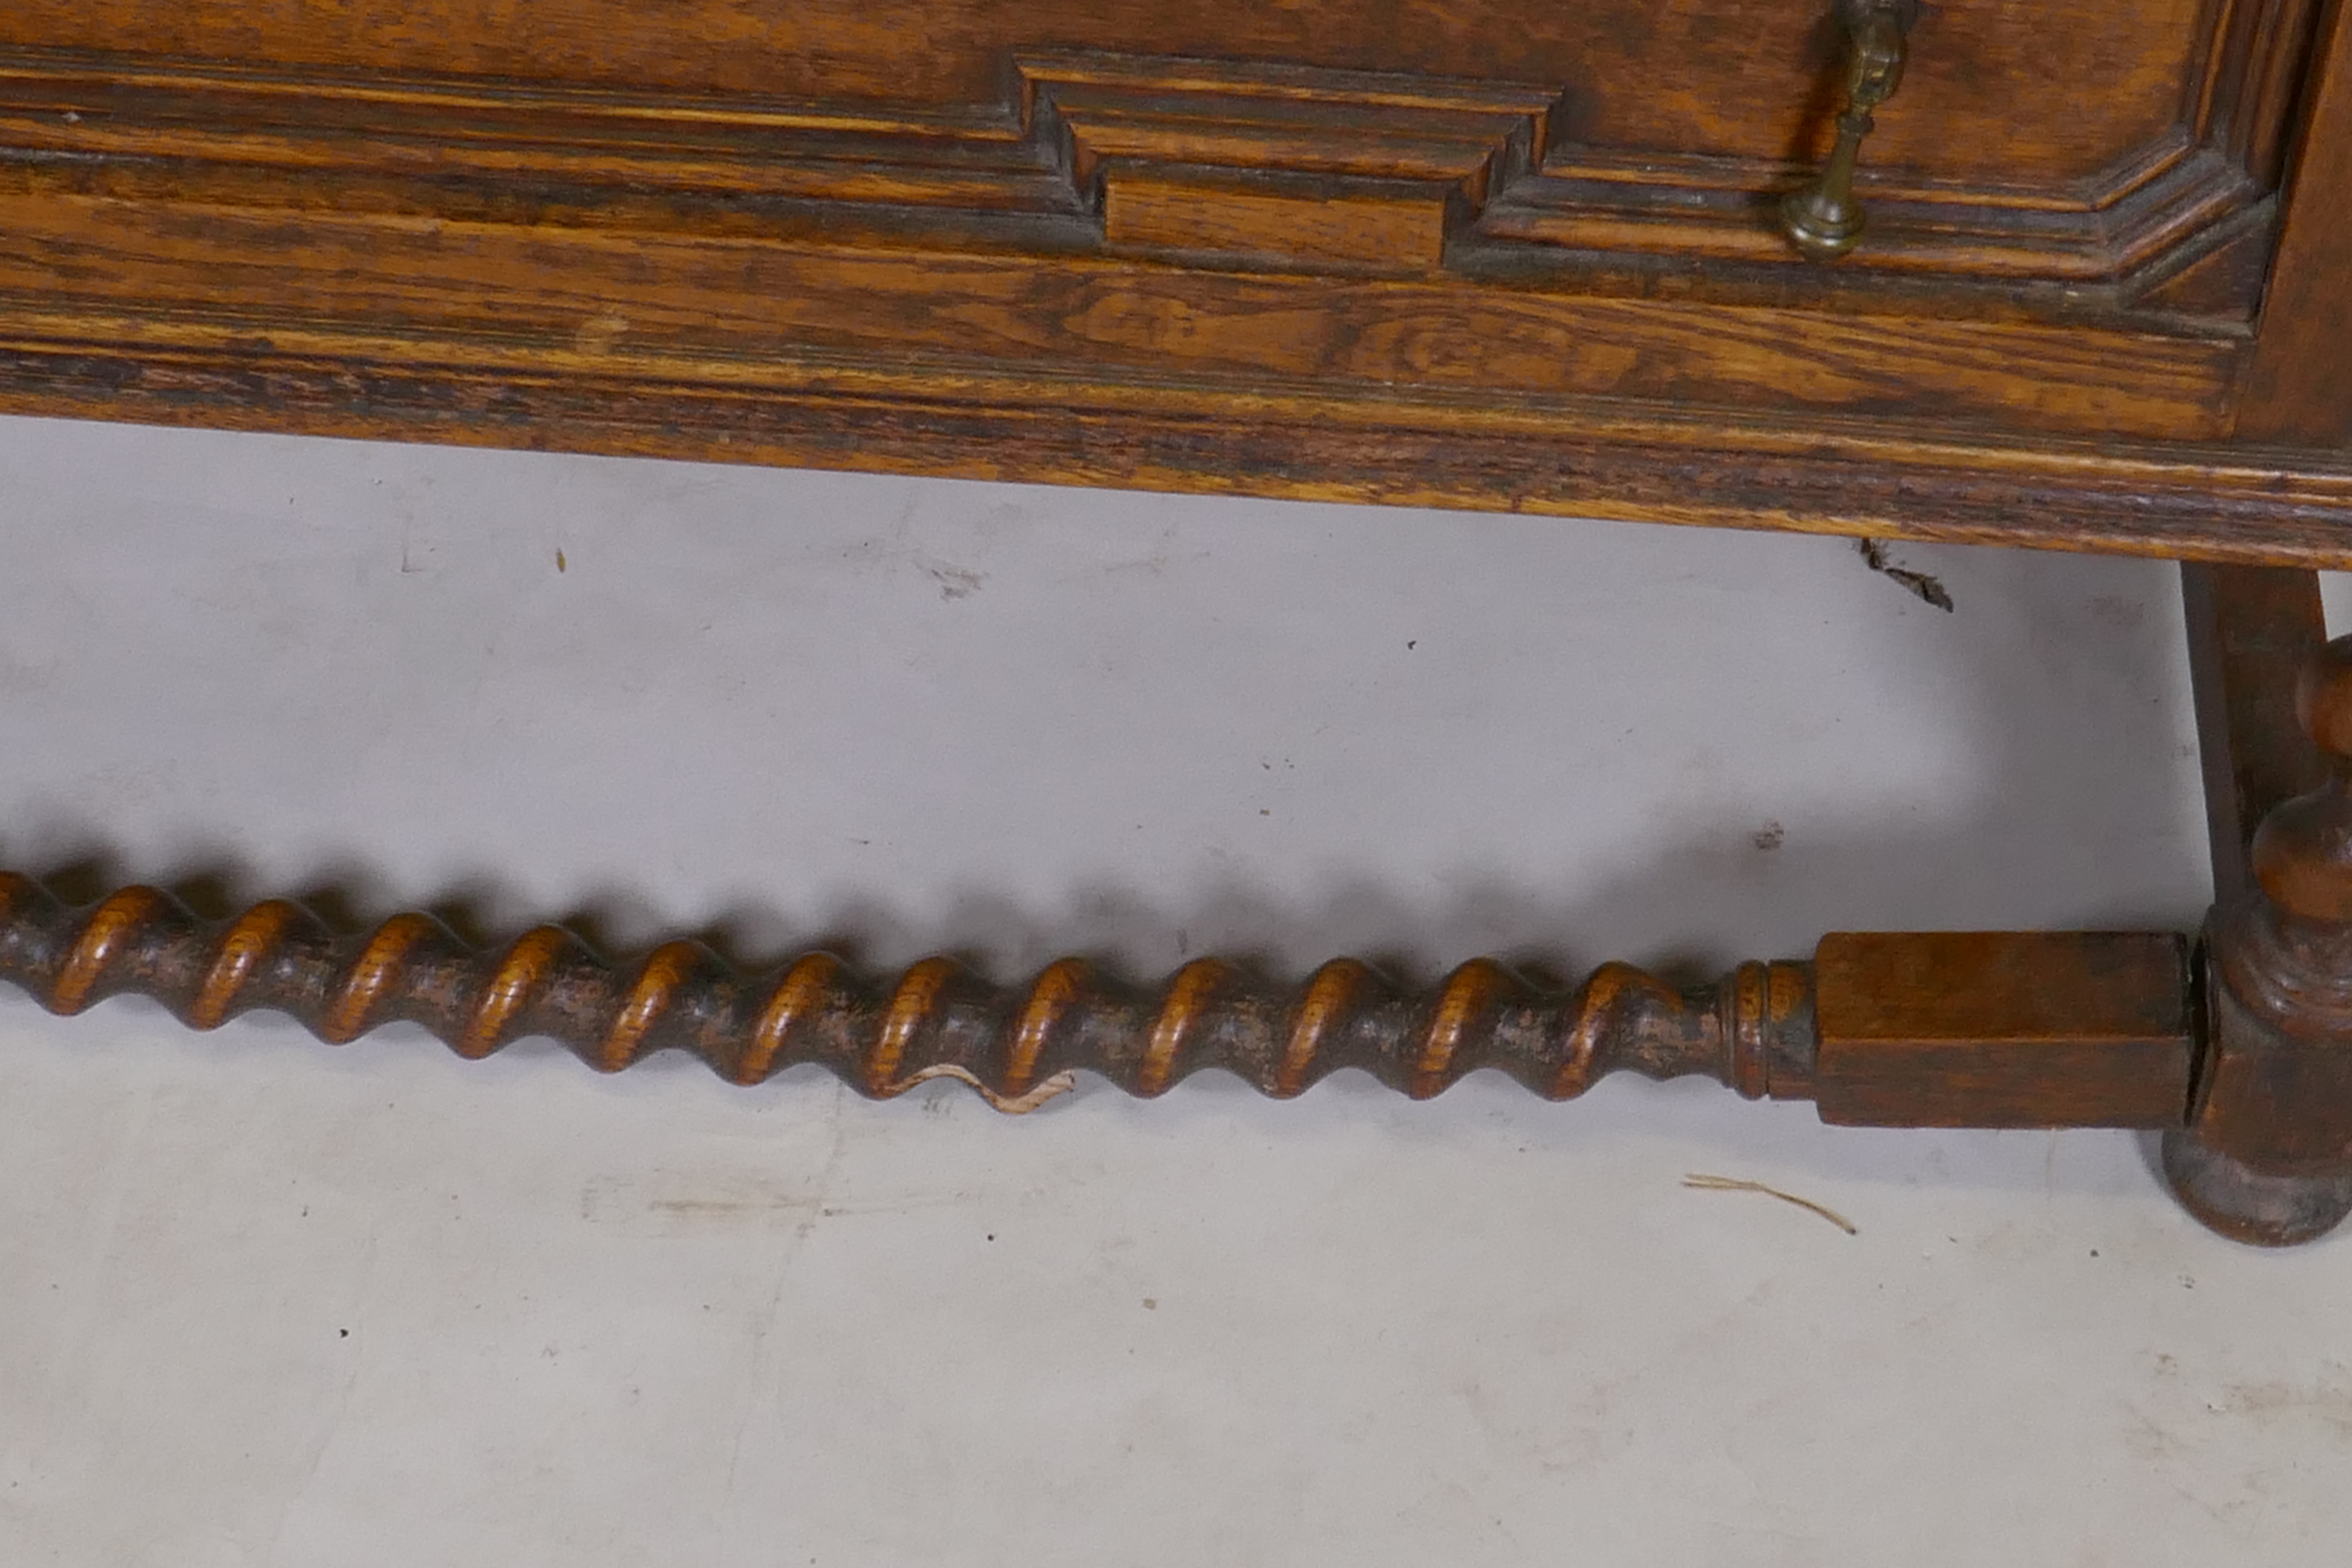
(1753, 1031)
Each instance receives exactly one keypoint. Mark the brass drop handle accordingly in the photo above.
(1825, 219)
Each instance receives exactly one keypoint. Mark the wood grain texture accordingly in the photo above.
(1999, 1029)
(1262, 275)
(2003, 1029)
(2252, 631)
(1282, 164)
(2302, 851)
(2267, 1156)
(2300, 389)
(743, 300)
(1577, 458)
(1075, 122)
(1753, 1031)
(1400, 228)
(1729, 78)
(2248, 96)
(2122, 235)
(1291, 119)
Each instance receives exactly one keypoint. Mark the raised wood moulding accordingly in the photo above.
(593, 391)
(1276, 164)
(741, 309)
(2197, 198)
(2162, 210)
(2014, 1029)
(1288, 164)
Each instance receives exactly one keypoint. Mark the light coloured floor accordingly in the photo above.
(262, 1301)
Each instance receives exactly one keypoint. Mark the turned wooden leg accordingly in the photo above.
(1015, 1044)
(1888, 1029)
(2267, 1155)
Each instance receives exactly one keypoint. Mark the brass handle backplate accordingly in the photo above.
(1825, 219)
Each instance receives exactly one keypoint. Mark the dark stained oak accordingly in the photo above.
(1573, 459)
(1999, 1029)
(2267, 1155)
(1066, 127)
(2301, 382)
(1732, 78)
(2252, 631)
(1467, 253)
(2003, 1029)
(725, 307)
(1753, 1031)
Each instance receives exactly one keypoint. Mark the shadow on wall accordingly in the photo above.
(2058, 681)
(2054, 693)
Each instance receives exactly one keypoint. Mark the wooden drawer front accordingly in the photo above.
(2106, 153)
(1473, 254)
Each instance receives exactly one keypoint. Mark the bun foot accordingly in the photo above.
(2245, 1202)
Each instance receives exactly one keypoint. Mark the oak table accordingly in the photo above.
(2070, 278)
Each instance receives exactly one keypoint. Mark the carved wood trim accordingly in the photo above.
(2013, 1028)
(1284, 162)
(2129, 230)
(1281, 163)
(2158, 203)
(1569, 456)
(778, 282)
(744, 308)
(1753, 1031)
(70, 109)
(2299, 387)
(1903, 1029)
(2267, 1155)
(1276, 164)
(2243, 103)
